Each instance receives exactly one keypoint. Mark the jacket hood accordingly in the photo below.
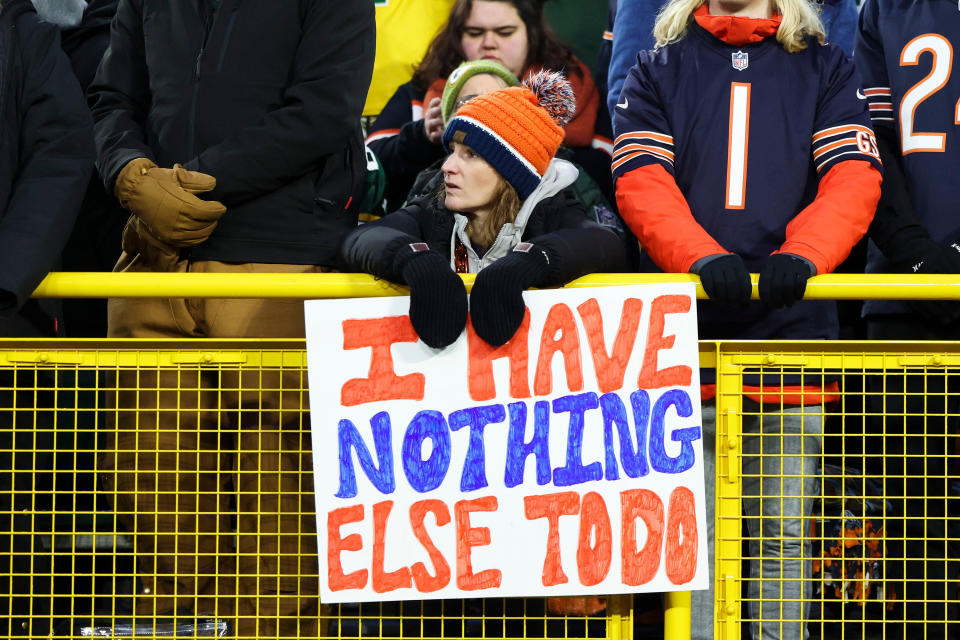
(96, 20)
(560, 174)
(63, 13)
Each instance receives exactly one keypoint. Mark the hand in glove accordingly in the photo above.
(726, 279)
(165, 200)
(438, 299)
(783, 279)
(139, 244)
(496, 301)
(946, 260)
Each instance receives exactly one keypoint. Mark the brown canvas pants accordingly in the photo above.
(199, 450)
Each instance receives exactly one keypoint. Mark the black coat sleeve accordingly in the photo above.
(896, 229)
(372, 248)
(405, 151)
(120, 96)
(320, 113)
(54, 165)
(577, 245)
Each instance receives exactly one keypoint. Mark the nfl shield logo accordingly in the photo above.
(740, 60)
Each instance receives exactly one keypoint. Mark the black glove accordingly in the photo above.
(438, 299)
(726, 279)
(783, 279)
(940, 312)
(496, 302)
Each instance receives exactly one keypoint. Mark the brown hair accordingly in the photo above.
(445, 53)
(506, 205)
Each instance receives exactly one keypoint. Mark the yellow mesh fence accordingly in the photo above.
(101, 536)
(158, 488)
(839, 511)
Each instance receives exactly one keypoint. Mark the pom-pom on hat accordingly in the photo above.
(459, 77)
(518, 129)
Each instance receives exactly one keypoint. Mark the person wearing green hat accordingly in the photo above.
(471, 79)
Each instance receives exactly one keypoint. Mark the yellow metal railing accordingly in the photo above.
(67, 564)
(354, 285)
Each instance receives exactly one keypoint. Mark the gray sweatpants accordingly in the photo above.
(781, 459)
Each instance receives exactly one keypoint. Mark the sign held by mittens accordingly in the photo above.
(566, 462)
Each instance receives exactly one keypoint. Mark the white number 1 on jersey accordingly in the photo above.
(739, 136)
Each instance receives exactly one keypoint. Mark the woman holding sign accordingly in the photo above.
(502, 212)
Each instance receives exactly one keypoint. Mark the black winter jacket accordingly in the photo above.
(575, 244)
(46, 151)
(399, 139)
(86, 43)
(265, 96)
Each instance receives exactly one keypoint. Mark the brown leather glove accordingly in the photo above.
(141, 246)
(164, 200)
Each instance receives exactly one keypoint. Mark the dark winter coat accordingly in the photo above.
(558, 224)
(86, 42)
(265, 96)
(46, 151)
(95, 242)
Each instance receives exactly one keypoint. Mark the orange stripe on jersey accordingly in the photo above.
(638, 135)
(880, 105)
(832, 131)
(622, 161)
(833, 145)
(877, 91)
(629, 148)
(383, 133)
(608, 35)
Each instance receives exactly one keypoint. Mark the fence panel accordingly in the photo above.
(875, 499)
(92, 429)
(165, 487)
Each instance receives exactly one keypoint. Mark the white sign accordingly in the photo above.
(567, 462)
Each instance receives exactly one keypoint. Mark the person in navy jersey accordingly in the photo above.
(904, 53)
(631, 31)
(741, 146)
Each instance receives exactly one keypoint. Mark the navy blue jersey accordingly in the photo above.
(905, 56)
(747, 132)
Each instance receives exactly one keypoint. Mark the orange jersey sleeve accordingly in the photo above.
(656, 211)
(829, 227)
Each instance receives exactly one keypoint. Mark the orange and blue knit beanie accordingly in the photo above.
(517, 130)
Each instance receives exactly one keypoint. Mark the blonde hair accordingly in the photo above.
(801, 20)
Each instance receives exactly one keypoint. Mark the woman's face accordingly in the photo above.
(470, 182)
(494, 31)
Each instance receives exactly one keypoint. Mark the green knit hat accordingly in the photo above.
(463, 73)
